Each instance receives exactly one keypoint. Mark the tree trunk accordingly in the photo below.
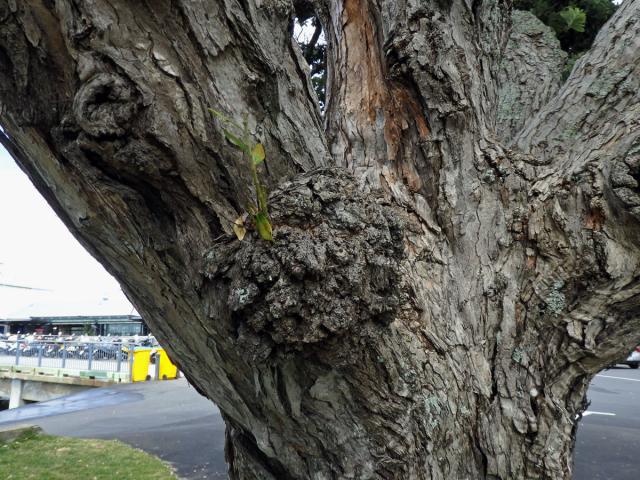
(434, 304)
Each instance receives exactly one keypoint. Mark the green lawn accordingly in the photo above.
(43, 457)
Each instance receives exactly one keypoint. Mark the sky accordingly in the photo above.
(37, 250)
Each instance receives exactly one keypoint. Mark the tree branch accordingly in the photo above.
(104, 105)
(104, 89)
(584, 203)
(595, 113)
(530, 73)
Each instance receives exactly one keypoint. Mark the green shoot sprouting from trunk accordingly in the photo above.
(254, 155)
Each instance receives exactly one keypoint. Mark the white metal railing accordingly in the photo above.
(92, 355)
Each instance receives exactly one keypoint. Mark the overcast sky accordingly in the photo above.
(37, 250)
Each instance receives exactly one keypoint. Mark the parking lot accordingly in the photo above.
(608, 444)
(171, 420)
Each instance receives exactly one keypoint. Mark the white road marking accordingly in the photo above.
(591, 412)
(619, 378)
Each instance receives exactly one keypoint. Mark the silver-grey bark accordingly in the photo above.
(434, 304)
(530, 73)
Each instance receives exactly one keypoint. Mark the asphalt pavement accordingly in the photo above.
(171, 420)
(608, 443)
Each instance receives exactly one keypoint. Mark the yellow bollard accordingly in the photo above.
(166, 370)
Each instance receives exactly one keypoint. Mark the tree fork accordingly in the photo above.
(434, 304)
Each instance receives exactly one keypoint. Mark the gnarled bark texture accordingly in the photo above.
(434, 303)
(530, 73)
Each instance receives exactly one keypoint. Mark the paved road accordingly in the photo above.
(171, 420)
(608, 446)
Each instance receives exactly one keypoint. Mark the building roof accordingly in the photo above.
(94, 320)
(50, 306)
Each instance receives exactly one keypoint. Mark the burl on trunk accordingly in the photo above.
(456, 237)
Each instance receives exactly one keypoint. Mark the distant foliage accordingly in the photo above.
(576, 23)
(315, 52)
(310, 37)
(575, 19)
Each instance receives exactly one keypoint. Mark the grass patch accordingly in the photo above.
(44, 457)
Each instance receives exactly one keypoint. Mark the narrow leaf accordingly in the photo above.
(257, 154)
(221, 116)
(264, 226)
(236, 141)
(239, 228)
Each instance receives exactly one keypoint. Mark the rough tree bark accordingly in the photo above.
(530, 73)
(434, 304)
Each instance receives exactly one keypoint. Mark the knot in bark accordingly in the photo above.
(334, 265)
(104, 105)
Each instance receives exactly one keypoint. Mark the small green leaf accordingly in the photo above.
(222, 117)
(236, 141)
(219, 114)
(257, 154)
(575, 18)
(264, 226)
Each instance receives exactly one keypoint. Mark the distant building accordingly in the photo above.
(114, 325)
(56, 315)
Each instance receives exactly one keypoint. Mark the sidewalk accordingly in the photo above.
(168, 419)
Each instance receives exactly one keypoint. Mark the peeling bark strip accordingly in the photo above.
(434, 304)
